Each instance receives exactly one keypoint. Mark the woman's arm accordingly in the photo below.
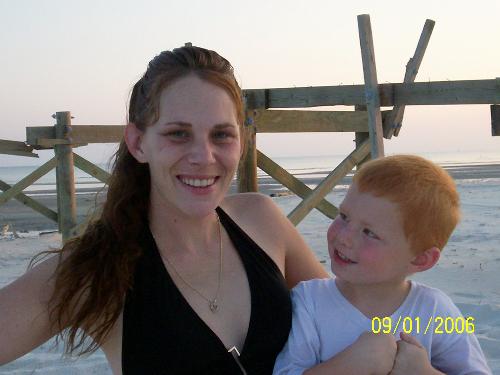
(24, 317)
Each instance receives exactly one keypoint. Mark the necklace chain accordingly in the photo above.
(213, 304)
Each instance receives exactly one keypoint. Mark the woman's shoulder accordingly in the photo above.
(259, 217)
(254, 208)
(245, 199)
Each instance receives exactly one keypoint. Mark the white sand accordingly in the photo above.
(469, 271)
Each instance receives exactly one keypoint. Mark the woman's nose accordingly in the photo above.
(201, 153)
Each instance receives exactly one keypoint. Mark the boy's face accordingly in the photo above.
(366, 241)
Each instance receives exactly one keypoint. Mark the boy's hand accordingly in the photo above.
(411, 358)
(370, 354)
(376, 352)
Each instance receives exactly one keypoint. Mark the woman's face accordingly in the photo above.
(194, 148)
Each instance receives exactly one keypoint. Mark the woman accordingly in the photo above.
(174, 277)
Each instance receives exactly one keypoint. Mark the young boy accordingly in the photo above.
(396, 217)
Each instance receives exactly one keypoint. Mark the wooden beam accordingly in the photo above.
(294, 184)
(80, 134)
(27, 181)
(65, 176)
(393, 122)
(292, 121)
(50, 143)
(485, 91)
(247, 169)
(16, 148)
(329, 183)
(31, 203)
(91, 168)
(495, 120)
(360, 137)
(371, 86)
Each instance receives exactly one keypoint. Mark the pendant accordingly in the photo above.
(213, 305)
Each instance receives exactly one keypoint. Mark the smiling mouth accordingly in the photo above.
(343, 257)
(198, 182)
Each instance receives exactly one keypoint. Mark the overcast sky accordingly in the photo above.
(84, 56)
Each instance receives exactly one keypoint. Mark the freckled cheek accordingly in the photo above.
(369, 254)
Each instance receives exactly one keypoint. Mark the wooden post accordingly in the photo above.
(392, 123)
(360, 137)
(247, 170)
(371, 86)
(495, 120)
(65, 176)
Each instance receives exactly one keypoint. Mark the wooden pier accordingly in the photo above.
(367, 121)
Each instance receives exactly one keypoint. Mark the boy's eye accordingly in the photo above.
(369, 233)
(343, 216)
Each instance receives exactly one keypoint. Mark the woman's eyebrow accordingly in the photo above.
(224, 125)
(189, 125)
(178, 123)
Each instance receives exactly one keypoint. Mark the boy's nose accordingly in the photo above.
(345, 235)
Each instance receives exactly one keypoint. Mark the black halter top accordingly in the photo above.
(162, 334)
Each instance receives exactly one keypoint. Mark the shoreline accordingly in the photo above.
(22, 218)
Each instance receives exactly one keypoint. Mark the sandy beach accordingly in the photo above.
(468, 271)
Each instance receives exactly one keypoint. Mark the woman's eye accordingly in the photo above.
(222, 136)
(369, 233)
(343, 216)
(177, 134)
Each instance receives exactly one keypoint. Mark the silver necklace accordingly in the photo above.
(213, 303)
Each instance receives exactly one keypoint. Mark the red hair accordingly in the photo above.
(425, 193)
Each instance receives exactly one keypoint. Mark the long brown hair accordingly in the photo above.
(96, 269)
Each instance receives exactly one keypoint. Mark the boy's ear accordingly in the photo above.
(133, 138)
(425, 260)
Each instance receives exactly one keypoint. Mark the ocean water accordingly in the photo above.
(310, 165)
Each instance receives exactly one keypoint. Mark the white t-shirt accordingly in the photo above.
(325, 323)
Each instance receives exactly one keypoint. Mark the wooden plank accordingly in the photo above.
(371, 86)
(485, 91)
(20, 153)
(329, 183)
(65, 176)
(495, 120)
(293, 183)
(392, 125)
(16, 148)
(360, 137)
(97, 133)
(80, 134)
(291, 121)
(33, 133)
(50, 143)
(247, 170)
(28, 180)
(256, 98)
(31, 203)
(91, 168)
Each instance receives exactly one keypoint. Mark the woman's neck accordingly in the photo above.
(175, 231)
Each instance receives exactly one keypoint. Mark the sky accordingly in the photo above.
(84, 57)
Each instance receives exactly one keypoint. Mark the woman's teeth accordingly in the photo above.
(198, 182)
